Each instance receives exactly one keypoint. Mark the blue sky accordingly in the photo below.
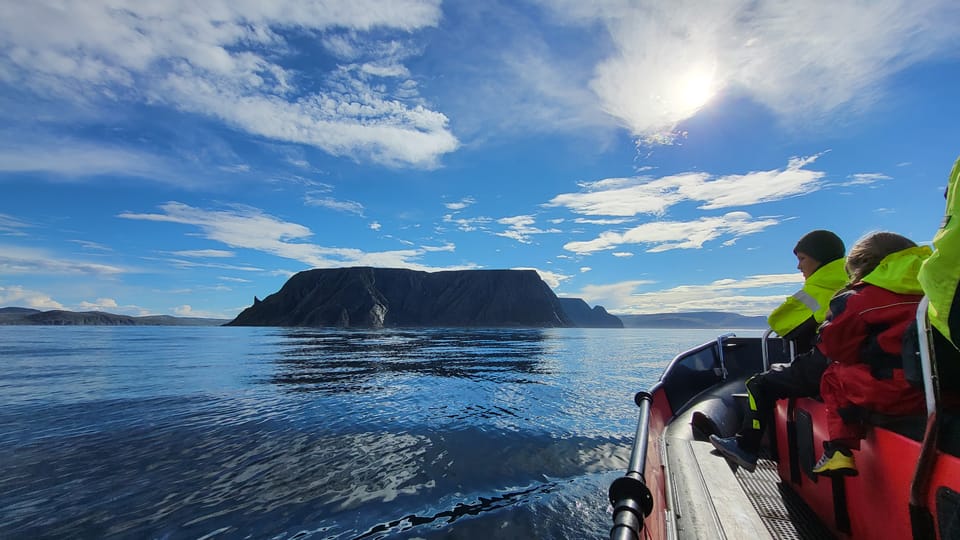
(649, 156)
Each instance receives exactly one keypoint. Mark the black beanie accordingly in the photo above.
(823, 246)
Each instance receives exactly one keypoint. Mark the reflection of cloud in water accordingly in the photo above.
(336, 361)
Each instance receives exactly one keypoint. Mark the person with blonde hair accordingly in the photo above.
(862, 336)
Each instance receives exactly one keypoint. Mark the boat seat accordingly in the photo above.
(913, 427)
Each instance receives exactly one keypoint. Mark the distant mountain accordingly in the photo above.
(582, 316)
(693, 319)
(368, 297)
(56, 317)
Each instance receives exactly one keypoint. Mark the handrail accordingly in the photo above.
(921, 520)
(723, 364)
(629, 494)
(763, 348)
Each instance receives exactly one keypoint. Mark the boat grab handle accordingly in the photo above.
(629, 494)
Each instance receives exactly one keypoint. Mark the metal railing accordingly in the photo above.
(631, 498)
(921, 519)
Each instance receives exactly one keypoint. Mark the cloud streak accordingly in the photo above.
(244, 227)
(653, 196)
(667, 235)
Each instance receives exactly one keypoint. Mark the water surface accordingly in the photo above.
(229, 432)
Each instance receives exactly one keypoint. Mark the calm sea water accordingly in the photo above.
(179, 432)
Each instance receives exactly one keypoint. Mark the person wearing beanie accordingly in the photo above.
(820, 258)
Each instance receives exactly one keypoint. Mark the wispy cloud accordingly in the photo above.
(347, 207)
(468, 224)
(233, 279)
(11, 226)
(521, 228)
(865, 179)
(73, 159)
(249, 228)
(86, 244)
(461, 204)
(204, 253)
(667, 235)
(653, 196)
(22, 260)
(224, 62)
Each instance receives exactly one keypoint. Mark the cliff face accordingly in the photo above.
(367, 297)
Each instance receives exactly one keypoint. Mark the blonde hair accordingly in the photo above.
(867, 253)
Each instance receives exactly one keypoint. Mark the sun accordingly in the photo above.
(695, 90)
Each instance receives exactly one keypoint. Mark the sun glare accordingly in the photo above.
(696, 89)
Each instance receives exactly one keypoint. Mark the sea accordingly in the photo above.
(279, 433)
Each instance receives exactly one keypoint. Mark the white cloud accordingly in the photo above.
(585, 269)
(249, 228)
(446, 247)
(100, 304)
(234, 279)
(667, 235)
(552, 279)
(798, 59)
(186, 310)
(756, 187)
(521, 228)
(375, 225)
(461, 204)
(753, 295)
(468, 224)
(223, 60)
(642, 195)
(20, 297)
(622, 254)
(22, 260)
(864, 179)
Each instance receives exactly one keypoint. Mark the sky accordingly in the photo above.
(182, 157)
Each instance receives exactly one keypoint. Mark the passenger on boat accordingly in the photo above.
(862, 337)
(820, 260)
(940, 278)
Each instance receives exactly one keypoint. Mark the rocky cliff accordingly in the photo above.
(366, 297)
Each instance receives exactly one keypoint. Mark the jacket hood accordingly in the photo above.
(898, 271)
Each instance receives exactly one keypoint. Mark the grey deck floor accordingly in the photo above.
(713, 499)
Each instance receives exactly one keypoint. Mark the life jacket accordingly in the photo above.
(868, 321)
(940, 273)
(812, 300)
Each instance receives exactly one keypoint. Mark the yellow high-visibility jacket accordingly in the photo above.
(812, 300)
(940, 274)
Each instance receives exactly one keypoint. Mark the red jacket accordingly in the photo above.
(866, 324)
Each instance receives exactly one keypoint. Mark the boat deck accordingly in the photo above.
(712, 498)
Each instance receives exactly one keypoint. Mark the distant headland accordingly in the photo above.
(368, 297)
(59, 317)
